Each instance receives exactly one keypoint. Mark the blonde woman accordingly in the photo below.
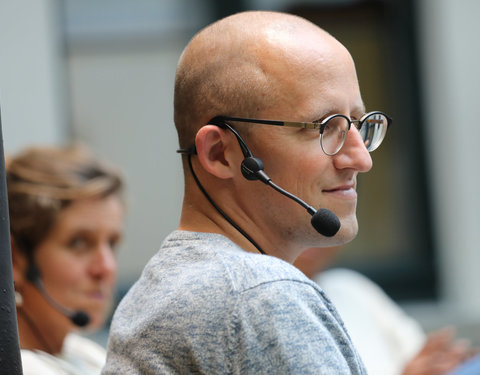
(66, 220)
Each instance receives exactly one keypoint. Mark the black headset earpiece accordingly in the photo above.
(32, 273)
(252, 169)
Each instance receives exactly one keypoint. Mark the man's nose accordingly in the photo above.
(353, 154)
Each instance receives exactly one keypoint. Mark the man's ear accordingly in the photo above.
(214, 149)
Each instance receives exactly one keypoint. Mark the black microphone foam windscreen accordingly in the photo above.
(80, 318)
(325, 222)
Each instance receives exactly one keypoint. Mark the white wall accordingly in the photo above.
(122, 103)
(31, 74)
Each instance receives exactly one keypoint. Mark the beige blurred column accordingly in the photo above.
(450, 53)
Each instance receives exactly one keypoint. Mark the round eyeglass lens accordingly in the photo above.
(373, 130)
(334, 134)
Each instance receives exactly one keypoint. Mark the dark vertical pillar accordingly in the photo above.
(10, 361)
(223, 8)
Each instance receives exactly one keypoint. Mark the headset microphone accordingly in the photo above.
(324, 221)
(79, 318)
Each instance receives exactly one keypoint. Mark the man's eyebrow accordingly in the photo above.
(320, 115)
(359, 110)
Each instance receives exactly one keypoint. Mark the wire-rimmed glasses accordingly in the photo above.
(372, 127)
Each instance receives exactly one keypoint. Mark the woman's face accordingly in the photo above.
(77, 259)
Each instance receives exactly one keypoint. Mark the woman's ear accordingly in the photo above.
(214, 150)
(19, 263)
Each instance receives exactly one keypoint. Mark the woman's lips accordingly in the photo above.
(98, 295)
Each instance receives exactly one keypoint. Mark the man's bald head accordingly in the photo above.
(231, 67)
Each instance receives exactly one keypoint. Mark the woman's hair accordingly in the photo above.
(41, 181)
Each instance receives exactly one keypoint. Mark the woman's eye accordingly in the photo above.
(78, 243)
(114, 242)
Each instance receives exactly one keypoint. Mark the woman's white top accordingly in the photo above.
(79, 356)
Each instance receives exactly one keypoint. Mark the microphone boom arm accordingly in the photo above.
(309, 208)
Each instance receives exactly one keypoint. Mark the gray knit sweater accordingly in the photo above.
(204, 306)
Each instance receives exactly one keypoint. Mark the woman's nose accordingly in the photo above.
(104, 263)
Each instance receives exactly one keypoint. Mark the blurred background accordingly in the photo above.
(101, 72)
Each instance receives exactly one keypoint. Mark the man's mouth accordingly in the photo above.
(346, 191)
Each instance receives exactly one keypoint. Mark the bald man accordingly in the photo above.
(221, 295)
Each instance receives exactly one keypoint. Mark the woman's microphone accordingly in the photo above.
(79, 318)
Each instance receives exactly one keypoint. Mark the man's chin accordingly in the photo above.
(347, 232)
